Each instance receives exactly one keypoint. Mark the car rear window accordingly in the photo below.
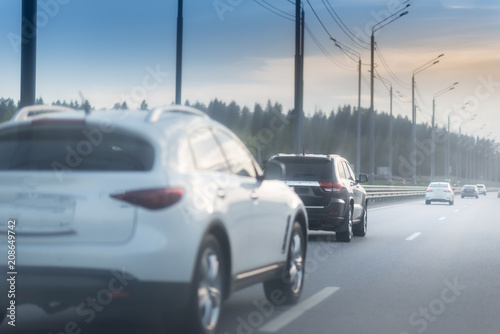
(439, 185)
(307, 169)
(469, 187)
(48, 148)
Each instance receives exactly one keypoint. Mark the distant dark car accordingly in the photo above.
(334, 199)
(470, 190)
(481, 188)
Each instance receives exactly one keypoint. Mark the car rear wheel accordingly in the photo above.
(451, 202)
(208, 288)
(361, 228)
(291, 282)
(427, 202)
(346, 236)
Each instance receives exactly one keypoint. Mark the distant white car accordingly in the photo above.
(439, 192)
(481, 188)
(162, 212)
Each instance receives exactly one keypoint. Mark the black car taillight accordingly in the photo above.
(153, 199)
(334, 187)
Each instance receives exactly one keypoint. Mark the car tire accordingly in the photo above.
(346, 236)
(427, 202)
(291, 282)
(361, 228)
(452, 202)
(462, 197)
(209, 282)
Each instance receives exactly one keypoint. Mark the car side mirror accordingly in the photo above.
(362, 178)
(274, 170)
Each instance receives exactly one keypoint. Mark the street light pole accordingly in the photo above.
(358, 142)
(433, 156)
(375, 28)
(348, 50)
(391, 124)
(414, 113)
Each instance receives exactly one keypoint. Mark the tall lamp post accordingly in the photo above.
(347, 49)
(375, 28)
(391, 125)
(433, 156)
(414, 112)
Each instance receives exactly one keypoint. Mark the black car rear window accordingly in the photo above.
(49, 148)
(305, 169)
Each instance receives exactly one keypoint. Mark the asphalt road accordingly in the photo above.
(420, 269)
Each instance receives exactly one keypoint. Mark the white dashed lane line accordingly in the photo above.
(292, 314)
(442, 218)
(413, 236)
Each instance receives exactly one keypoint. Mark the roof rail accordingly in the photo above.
(154, 115)
(32, 111)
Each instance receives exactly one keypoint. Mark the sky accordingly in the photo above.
(116, 51)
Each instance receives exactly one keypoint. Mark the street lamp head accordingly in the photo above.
(456, 83)
(403, 14)
(442, 54)
(437, 61)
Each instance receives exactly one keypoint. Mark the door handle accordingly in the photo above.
(254, 196)
(221, 193)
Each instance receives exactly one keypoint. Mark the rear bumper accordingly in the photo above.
(328, 218)
(445, 198)
(115, 293)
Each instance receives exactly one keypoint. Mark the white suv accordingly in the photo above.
(163, 212)
(481, 188)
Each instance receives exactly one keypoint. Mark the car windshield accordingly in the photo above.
(299, 168)
(55, 149)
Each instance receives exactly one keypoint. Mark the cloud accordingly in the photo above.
(471, 4)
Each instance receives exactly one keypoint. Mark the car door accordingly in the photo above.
(267, 216)
(232, 203)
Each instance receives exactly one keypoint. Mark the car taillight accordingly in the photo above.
(335, 187)
(448, 190)
(153, 199)
(429, 190)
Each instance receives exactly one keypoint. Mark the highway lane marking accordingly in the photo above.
(442, 218)
(413, 236)
(456, 210)
(287, 317)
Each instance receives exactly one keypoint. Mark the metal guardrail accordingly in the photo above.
(376, 193)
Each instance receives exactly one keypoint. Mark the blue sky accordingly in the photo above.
(110, 50)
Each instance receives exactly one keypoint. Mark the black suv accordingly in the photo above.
(334, 199)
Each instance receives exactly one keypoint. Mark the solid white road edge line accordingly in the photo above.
(287, 317)
(413, 236)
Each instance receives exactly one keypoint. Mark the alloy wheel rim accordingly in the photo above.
(365, 221)
(209, 289)
(296, 267)
(350, 224)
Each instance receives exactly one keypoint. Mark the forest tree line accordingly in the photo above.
(267, 130)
